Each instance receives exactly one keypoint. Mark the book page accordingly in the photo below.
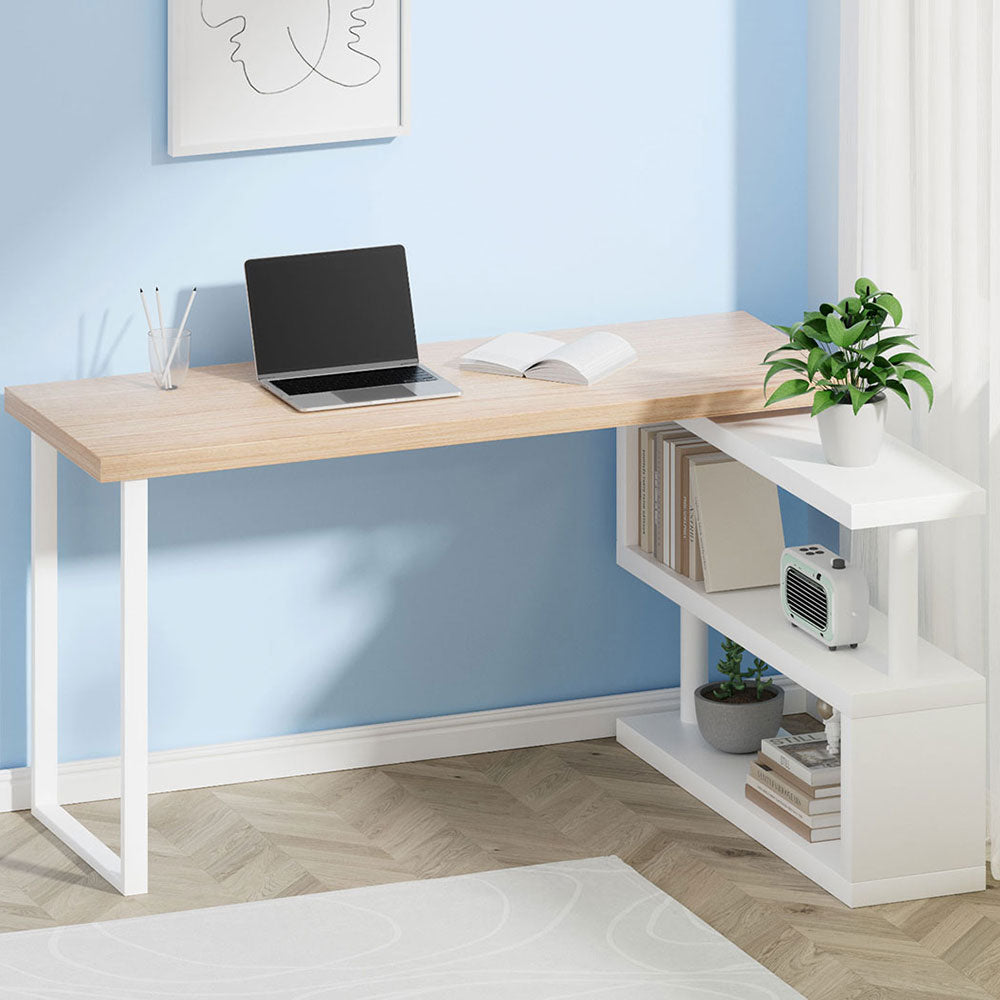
(514, 353)
(592, 357)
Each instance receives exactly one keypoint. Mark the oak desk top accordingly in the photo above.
(124, 427)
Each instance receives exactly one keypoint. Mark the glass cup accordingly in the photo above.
(169, 356)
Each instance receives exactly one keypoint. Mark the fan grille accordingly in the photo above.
(806, 598)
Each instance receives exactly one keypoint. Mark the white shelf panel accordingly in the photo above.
(903, 487)
(677, 750)
(853, 680)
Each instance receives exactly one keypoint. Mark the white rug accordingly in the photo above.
(591, 929)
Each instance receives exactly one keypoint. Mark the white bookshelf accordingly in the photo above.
(913, 717)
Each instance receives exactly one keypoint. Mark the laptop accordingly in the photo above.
(335, 329)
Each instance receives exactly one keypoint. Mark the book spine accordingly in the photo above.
(770, 765)
(792, 796)
(643, 488)
(664, 523)
(787, 819)
(803, 816)
(680, 540)
(685, 512)
(656, 449)
(701, 546)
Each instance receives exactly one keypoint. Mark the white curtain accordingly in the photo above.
(919, 210)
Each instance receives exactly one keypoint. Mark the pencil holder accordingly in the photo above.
(169, 356)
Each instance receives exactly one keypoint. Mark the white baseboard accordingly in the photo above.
(360, 746)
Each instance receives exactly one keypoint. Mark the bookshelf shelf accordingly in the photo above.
(855, 681)
(913, 717)
(677, 750)
(903, 487)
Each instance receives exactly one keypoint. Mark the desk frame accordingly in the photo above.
(122, 429)
(127, 871)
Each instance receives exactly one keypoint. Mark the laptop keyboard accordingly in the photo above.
(353, 380)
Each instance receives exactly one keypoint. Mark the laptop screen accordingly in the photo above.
(344, 309)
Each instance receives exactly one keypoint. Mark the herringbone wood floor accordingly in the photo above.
(464, 814)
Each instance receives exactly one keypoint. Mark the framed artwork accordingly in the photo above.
(260, 74)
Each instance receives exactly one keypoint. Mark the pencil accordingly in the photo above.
(152, 333)
(159, 312)
(180, 329)
(145, 309)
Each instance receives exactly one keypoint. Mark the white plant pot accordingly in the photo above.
(849, 439)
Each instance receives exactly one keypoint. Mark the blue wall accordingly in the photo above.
(568, 165)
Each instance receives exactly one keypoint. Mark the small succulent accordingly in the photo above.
(731, 666)
(845, 356)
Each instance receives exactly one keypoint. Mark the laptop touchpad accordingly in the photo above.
(375, 393)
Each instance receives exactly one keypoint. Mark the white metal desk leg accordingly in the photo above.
(694, 661)
(126, 872)
(134, 684)
(904, 625)
(44, 625)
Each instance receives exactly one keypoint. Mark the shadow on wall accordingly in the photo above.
(380, 587)
(223, 310)
(15, 548)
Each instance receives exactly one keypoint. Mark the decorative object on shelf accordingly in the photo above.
(734, 715)
(849, 366)
(824, 596)
(831, 722)
(288, 73)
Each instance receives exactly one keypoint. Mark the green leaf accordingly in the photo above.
(791, 365)
(850, 306)
(823, 400)
(908, 357)
(923, 381)
(825, 309)
(859, 398)
(787, 390)
(837, 332)
(838, 366)
(815, 361)
(817, 329)
(888, 343)
(873, 375)
(900, 390)
(859, 329)
(891, 305)
(865, 286)
(778, 350)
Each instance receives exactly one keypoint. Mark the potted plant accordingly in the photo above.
(848, 363)
(734, 715)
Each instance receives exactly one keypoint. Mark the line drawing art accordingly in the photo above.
(281, 44)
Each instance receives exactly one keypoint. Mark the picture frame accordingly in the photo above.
(266, 74)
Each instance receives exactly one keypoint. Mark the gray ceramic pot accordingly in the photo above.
(738, 727)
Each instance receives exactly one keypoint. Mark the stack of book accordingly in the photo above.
(797, 781)
(666, 511)
(704, 515)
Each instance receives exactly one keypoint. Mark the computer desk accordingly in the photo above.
(124, 429)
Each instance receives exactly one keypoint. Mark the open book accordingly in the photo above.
(582, 362)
